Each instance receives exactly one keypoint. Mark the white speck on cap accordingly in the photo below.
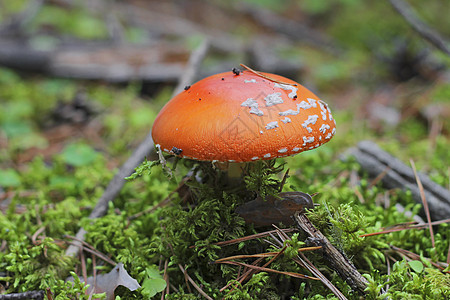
(286, 120)
(288, 87)
(283, 150)
(323, 110)
(253, 106)
(290, 112)
(255, 158)
(249, 102)
(267, 155)
(273, 99)
(312, 102)
(329, 113)
(251, 80)
(324, 128)
(311, 120)
(303, 104)
(308, 140)
(272, 125)
(296, 149)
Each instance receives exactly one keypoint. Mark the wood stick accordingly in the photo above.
(338, 261)
(38, 295)
(398, 175)
(420, 27)
(116, 184)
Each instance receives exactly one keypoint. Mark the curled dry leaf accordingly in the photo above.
(109, 282)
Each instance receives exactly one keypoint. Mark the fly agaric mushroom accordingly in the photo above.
(242, 117)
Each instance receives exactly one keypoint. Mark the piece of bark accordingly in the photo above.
(375, 161)
(273, 210)
(338, 261)
(38, 295)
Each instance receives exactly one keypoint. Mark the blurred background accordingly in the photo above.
(84, 78)
(81, 83)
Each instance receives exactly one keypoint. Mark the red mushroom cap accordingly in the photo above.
(240, 118)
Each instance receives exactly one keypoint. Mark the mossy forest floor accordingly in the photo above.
(62, 140)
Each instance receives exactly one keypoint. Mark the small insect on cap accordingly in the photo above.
(243, 116)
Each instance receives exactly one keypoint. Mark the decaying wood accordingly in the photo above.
(138, 155)
(398, 175)
(38, 295)
(110, 62)
(338, 261)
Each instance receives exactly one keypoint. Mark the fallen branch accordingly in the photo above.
(341, 264)
(420, 27)
(113, 63)
(138, 155)
(38, 295)
(398, 175)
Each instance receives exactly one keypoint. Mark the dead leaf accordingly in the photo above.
(109, 282)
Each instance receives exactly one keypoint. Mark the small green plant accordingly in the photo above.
(260, 177)
(74, 290)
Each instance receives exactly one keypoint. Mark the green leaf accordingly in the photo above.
(154, 283)
(79, 155)
(416, 266)
(9, 178)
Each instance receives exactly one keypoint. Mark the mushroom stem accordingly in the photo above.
(235, 170)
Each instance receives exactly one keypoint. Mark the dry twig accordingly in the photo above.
(413, 256)
(407, 226)
(341, 264)
(420, 27)
(266, 77)
(303, 261)
(424, 201)
(263, 269)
